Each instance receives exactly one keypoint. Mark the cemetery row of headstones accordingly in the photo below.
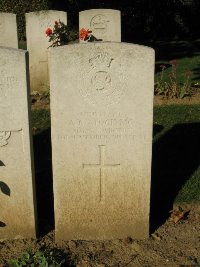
(104, 23)
(101, 131)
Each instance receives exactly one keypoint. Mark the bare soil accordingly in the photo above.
(172, 244)
(162, 100)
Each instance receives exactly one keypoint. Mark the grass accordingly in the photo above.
(40, 120)
(176, 151)
(183, 65)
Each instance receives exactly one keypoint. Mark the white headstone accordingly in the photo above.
(17, 212)
(105, 24)
(102, 117)
(8, 30)
(38, 43)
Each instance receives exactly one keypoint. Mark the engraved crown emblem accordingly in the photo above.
(101, 60)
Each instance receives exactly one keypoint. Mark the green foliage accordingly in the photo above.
(40, 119)
(48, 257)
(170, 87)
(20, 7)
(61, 34)
(190, 191)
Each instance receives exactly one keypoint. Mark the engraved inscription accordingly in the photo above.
(103, 80)
(6, 84)
(99, 23)
(99, 126)
(4, 136)
(101, 60)
(44, 24)
(101, 166)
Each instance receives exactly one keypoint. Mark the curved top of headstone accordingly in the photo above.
(100, 44)
(41, 12)
(102, 70)
(100, 10)
(105, 24)
(14, 50)
(7, 14)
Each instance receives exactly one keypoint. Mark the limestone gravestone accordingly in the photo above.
(101, 110)
(17, 212)
(105, 24)
(8, 30)
(38, 43)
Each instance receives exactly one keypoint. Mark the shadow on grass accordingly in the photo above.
(176, 49)
(176, 156)
(44, 181)
(168, 50)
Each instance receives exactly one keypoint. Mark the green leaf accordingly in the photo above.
(25, 257)
(13, 263)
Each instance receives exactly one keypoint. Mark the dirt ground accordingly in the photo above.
(172, 244)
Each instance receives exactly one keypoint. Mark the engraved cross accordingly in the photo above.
(101, 166)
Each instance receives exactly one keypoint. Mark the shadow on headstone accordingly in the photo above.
(176, 156)
(44, 181)
(1, 163)
(2, 224)
(4, 188)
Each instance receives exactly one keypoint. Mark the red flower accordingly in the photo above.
(48, 31)
(84, 33)
(188, 73)
(173, 62)
(163, 67)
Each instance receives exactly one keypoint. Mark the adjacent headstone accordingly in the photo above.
(101, 110)
(8, 30)
(105, 24)
(38, 43)
(17, 207)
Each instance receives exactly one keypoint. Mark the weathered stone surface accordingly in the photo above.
(105, 24)
(102, 109)
(8, 30)
(38, 43)
(17, 212)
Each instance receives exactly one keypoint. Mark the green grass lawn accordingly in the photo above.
(184, 65)
(187, 55)
(176, 151)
